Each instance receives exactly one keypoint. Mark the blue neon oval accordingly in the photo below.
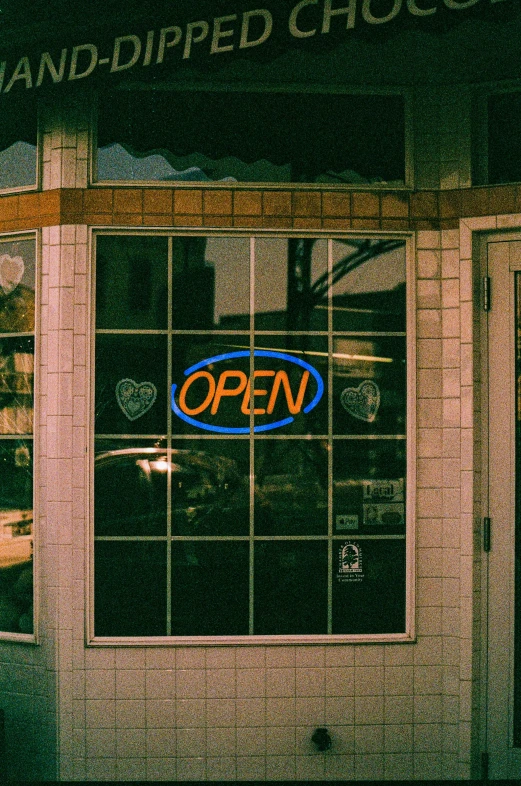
(242, 354)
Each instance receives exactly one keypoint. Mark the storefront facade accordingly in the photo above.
(259, 366)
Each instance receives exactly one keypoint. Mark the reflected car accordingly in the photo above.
(209, 496)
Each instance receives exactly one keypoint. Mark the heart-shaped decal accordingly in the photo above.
(135, 399)
(11, 272)
(362, 402)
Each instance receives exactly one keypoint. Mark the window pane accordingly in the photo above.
(139, 473)
(290, 587)
(253, 446)
(291, 384)
(16, 385)
(291, 480)
(291, 284)
(210, 397)
(504, 138)
(369, 486)
(17, 282)
(131, 282)
(16, 540)
(210, 487)
(368, 586)
(130, 588)
(131, 385)
(251, 137)
(210, 588)
(18, 134)
(211, 283)
(369, 285)
(369, 386)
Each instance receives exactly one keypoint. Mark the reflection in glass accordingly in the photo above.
(16, 540)
(17, 283)
(368, 285)
(291, 284)
(254, 516)
(139, 473)
(210, 283)
(210, 487)
(16, 385)
(131, 282)
(18, 137)
(251, 137)
(291, 487)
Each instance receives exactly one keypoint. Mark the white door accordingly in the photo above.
(503, 659)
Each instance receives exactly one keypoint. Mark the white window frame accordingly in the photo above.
(32, 638)
(406, 93)
(409, 633)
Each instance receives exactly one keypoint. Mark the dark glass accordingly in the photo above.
(131, 282)
(290, 587)
(251, 137)
(369, 385)
(504, 138)
(369, 486)
(139, 472)
(131, 384)
(210, 399)
(369, 285)
(16, 540)
(291, 481)
(210, 487)
(130, 588)
(368, 586)
(17, 283)
(291, 284)
(211, 282)
(18, 138)
(16, 385)
(210, 588)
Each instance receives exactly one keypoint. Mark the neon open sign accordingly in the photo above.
(203, 393)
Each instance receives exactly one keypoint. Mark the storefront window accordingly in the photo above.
(250, 410)
(18, 136)
(17, 288)
(251, 137)
(497, 145)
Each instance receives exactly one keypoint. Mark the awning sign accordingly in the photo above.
(236, 33)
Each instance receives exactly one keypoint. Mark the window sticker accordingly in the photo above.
(350, 564)
(344, 521)
(362, 402)
(135, 399)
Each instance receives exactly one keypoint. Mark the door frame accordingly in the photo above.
(500, 760)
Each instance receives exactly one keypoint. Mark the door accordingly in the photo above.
(503, 560)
